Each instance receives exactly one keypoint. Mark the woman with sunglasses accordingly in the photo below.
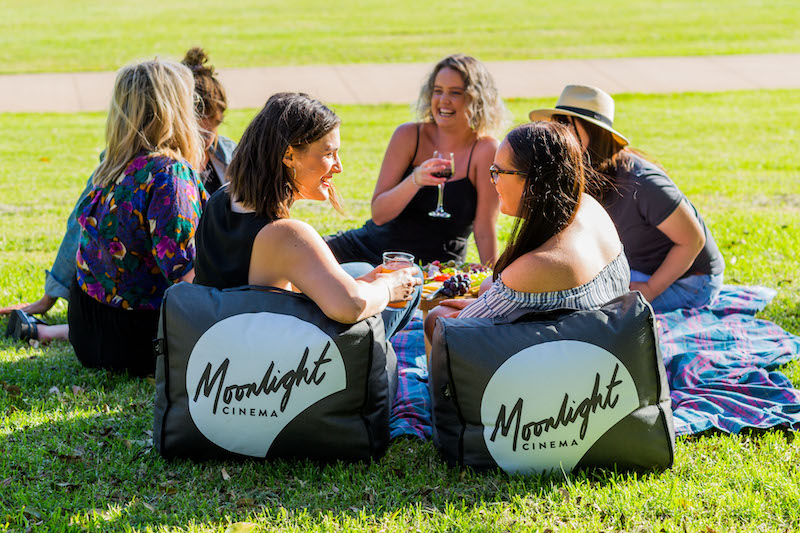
(675, 262)
(564, 250)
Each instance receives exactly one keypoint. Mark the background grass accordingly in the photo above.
(59, 36)
(79, 458)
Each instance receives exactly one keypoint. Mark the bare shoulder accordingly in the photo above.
(487, 143)
(482, 159)
(287, 231)
(595, 219)
(485, 149)
(406, 133)
(593, 206)
(536, 271)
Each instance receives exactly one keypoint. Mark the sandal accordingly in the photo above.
(22, 326)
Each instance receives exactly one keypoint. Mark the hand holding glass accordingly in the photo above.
(439, 212)
(395, 261)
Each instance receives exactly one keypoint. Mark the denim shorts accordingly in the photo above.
(689, 292)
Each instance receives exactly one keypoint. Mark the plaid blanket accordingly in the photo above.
(721, 363)
(411, 412)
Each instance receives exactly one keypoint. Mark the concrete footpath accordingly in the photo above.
(400, 82)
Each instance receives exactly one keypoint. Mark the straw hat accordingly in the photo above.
(589, 103)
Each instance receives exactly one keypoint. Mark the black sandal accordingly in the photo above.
(22, 326)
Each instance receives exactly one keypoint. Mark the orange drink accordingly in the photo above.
(395, 261)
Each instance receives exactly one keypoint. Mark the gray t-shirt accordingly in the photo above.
(643, 199)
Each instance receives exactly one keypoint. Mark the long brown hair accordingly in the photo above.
(258, 178)
(550, 155)
(604, 156)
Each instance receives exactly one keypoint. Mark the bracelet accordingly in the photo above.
(414, 178)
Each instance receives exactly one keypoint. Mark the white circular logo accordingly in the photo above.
(549, 403)
(251, 374)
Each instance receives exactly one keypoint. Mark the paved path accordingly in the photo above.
(399, 83)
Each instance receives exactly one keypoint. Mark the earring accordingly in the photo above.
(294, 173)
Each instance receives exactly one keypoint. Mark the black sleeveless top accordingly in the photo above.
(224, 243)
(413, 230)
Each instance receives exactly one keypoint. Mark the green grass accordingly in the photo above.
(80, 459)
(61, 36)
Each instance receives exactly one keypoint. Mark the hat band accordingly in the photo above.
(586, 113)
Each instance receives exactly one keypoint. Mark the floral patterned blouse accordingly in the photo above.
(137, 234)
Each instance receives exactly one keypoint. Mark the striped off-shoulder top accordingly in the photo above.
(613, 281)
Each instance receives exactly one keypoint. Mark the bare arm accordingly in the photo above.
(485, 226)
(40, 306)
(683, 229)
(393, 190)
(292, 251)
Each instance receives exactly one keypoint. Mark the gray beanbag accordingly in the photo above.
(260, 372)
(542, 392)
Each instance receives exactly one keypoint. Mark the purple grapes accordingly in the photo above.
(456, 285)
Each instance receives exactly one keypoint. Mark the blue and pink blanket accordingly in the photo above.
(721, 364)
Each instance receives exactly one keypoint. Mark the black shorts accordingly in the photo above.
(109, 337)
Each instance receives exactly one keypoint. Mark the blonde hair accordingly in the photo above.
(152, 110)
(485, 109)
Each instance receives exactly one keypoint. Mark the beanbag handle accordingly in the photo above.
(529, 315)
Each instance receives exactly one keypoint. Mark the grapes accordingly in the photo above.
(456, 285)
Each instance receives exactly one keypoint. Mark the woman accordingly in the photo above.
(210, 106)
(563, 250)
(459, 107)
(675, 262)
(139, 220)
(290, 151)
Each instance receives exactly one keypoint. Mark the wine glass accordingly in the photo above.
(448, 173)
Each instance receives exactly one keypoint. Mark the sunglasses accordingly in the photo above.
(495, 172)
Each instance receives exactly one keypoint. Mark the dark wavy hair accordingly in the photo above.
(551, 158)
(258, 178)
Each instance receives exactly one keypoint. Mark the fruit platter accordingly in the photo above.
(451, 279)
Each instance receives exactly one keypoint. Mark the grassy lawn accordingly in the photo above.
(74, 451)
(61, 36)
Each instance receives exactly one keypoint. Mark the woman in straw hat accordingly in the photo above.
(674, 260)
(563, 250)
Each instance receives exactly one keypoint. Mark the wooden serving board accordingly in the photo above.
(426, 303)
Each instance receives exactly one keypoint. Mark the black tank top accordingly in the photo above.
(224, 243)
(428, 238)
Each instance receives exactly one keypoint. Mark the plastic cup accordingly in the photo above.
(395, 261)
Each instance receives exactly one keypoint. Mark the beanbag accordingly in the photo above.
(541, 392)
(260, 372)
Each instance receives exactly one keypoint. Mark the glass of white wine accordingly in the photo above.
(448, 173)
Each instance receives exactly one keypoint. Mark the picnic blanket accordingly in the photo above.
(721, 364)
